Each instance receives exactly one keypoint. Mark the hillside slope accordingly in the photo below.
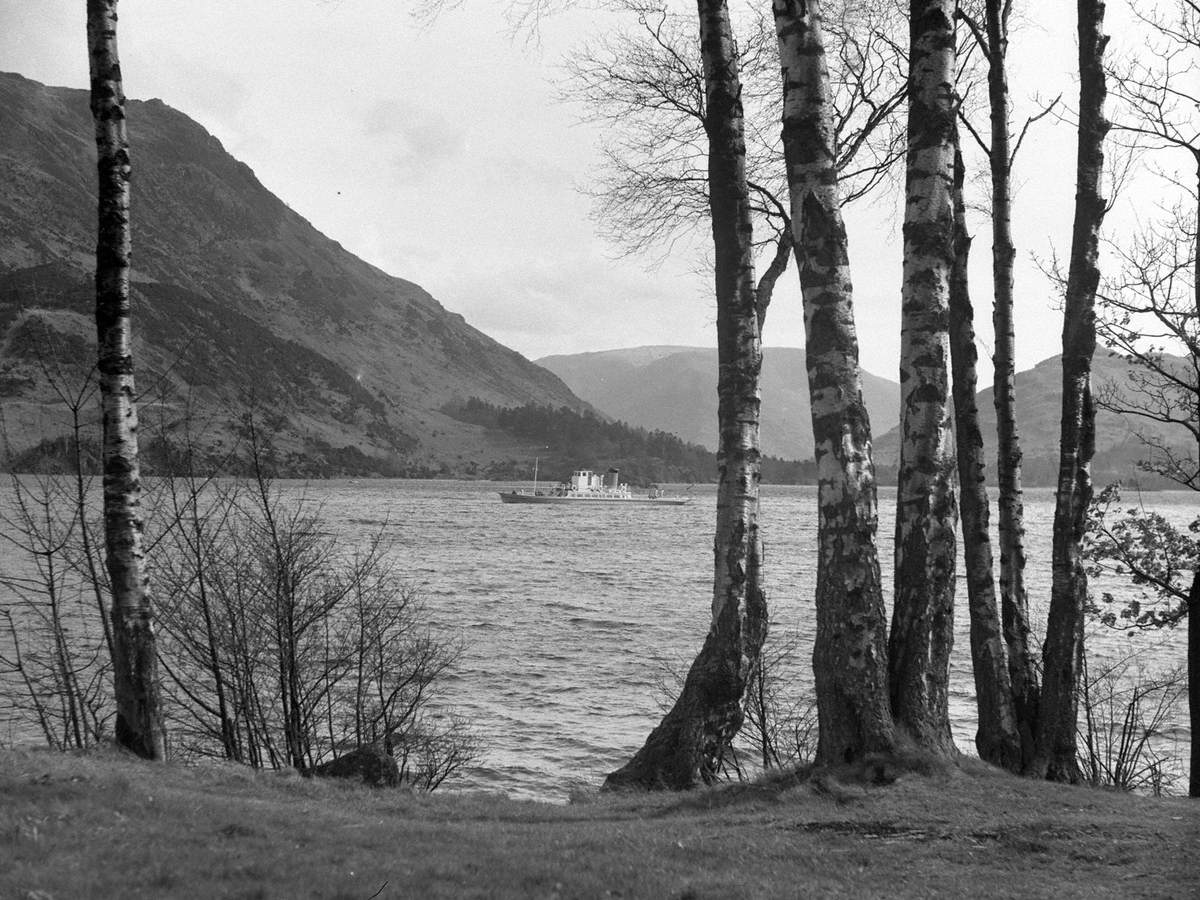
(239, 303)
(675, 389)
(1039, 413)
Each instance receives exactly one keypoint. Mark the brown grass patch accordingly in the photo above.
(108, 826)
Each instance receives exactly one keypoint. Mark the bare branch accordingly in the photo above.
(1028, 122)
(983, 145)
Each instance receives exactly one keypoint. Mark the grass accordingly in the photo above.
(104, 825)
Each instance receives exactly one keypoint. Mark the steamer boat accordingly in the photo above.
(589, 488)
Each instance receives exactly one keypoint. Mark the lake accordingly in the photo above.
(572, 618)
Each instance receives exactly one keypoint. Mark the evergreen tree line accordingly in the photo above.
(573, 439)
(583, 434)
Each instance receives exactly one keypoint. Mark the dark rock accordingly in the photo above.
(371, 764)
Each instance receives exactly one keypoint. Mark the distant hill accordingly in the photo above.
(238, 302)
(1039, 412)
(675, 389)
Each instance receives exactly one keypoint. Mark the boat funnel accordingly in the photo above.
(612, 478)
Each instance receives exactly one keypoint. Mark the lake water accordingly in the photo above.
(571, 617)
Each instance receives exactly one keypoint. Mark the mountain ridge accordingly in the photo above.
(630, 385)
(238, 300)
(241, 304)
(675, 389)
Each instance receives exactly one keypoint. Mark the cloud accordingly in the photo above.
(418, 138)
(564, 301)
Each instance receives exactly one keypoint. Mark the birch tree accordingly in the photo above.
(139, 724)
(687, 745)
(927, 513)
(646, 85)
(991, 36)
(1152, 308)
(997, 738)
(1063, 649)
(849, 653)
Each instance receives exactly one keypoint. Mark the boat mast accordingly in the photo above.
(535, 468)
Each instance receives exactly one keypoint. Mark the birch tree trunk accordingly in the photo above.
(139, 725)
(849, 653)
(927, 515)
(1062, 652)
(997, 738)
(688, 744)
(1192, 624)
(1011, 507)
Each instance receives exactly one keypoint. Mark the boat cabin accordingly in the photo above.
(587, 480)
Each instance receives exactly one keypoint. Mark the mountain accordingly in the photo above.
(675, 389)
(239, 303)
(1039, 411)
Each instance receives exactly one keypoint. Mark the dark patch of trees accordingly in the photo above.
(572, 439)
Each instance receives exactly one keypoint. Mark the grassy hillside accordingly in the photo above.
(105, 826)
(239, 303)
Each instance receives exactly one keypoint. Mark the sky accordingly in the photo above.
(443, 154)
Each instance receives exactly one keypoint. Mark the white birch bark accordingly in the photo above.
(849, 653)
(1062, 653)
(689, 743)
(997, 738)
(139, 725)
(927, 514)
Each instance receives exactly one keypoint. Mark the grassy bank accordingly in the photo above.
(107, 826)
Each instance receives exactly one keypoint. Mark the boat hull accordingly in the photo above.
(598, 500)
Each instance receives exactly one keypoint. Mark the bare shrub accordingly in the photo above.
(780, 727)
(283, 648)
(279, 646)
(54, 659)
(1124, 739)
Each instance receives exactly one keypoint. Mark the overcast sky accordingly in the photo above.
(441, 155)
